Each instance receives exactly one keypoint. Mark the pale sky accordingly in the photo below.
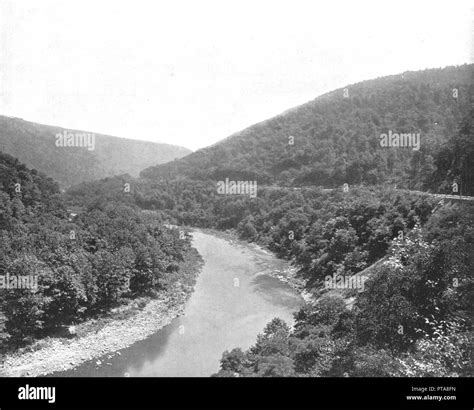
(193, 72)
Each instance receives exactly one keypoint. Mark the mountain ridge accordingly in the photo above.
(337, 138)
(35, 145)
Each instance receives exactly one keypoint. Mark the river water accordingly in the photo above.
(234, 298)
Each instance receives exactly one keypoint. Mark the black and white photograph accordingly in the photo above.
(268, 200)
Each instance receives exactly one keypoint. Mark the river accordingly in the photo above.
(234, 298)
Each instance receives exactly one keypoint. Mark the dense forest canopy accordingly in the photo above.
(412, 319)
(82, 264)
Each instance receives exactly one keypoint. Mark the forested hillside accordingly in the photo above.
(322, 231)
(335, 139)
(35, 145)
(412, 318)
(80, 265)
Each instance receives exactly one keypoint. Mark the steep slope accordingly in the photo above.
(336, 137)
(35, 145)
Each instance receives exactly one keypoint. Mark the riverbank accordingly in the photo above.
(106, 335)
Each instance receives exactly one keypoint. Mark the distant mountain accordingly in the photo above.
(336, 138)
(36, 145)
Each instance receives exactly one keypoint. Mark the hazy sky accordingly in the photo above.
(193, 72)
